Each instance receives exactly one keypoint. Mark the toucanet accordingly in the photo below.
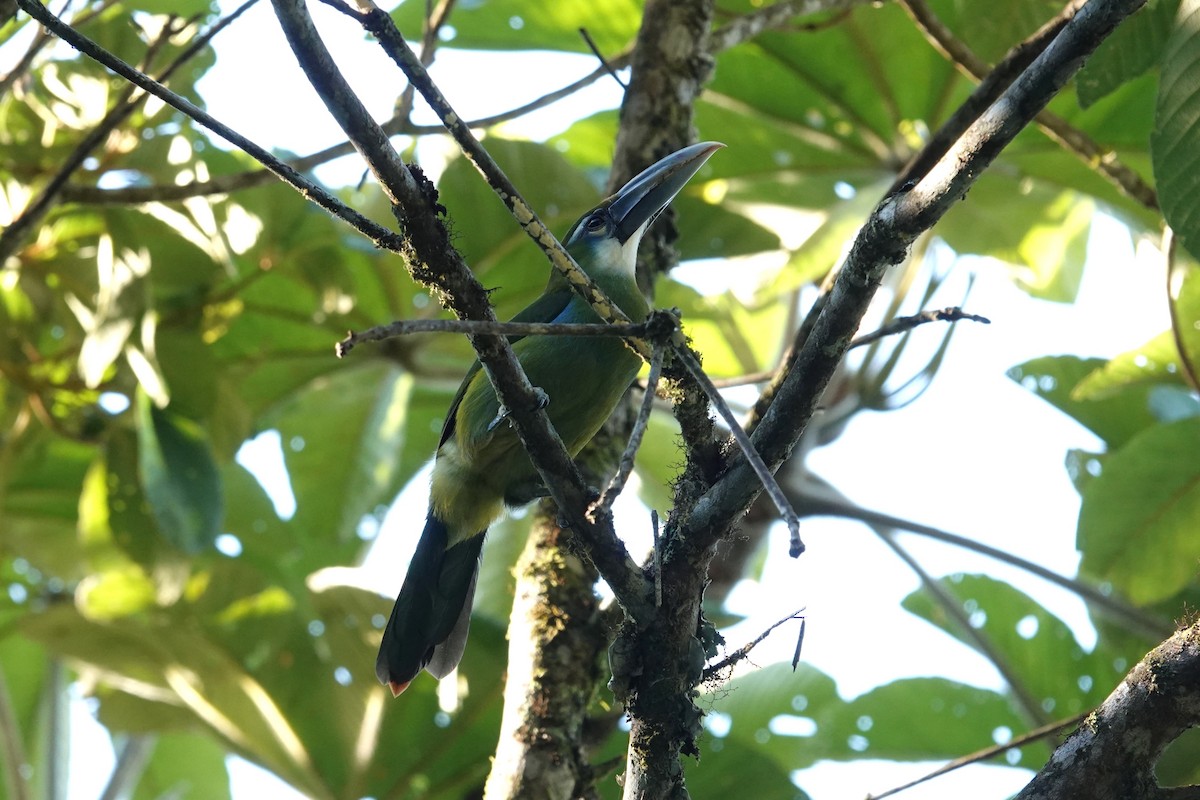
(480, 466)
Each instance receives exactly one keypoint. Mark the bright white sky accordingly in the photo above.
(1005, 483)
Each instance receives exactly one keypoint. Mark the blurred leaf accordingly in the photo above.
(1115, 418)
(1137, 523)
(1174, 140)
(179, 476)
(797, 718)
(1027, 637)
(1133, 48)
(1184, 292)
(343, 436)
(1042, 233)
(512, 25)
(184, 765)
(1179, 764)
(24, 671)
(1156, 362)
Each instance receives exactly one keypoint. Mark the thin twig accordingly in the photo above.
(902, 324)
(474, 326)
(1134, 619)
(689, 361)
(742, 652)
(953, 607)
(772, 16)
(591, 43)
(381, 236)
(625, 466)
(992, 751)
(132, 759)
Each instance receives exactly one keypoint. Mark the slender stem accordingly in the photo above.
(12, 748)
(953, 608)
(1132, 618)
(132, 758)
(625, 466)
(476, 327)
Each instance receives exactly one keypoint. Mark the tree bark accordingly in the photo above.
(1113, 753)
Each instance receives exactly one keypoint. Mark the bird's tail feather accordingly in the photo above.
(428, 624)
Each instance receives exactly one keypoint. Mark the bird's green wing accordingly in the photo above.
(544, 309)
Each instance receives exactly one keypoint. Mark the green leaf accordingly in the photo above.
(1115, 417)
(1154, 363)
(180, 477)
(184, 765)
(1042, 233)
(1026, 637)
(343, 436)
(1184, 291)
(1133, 48)
(1137, 523)
(1176, 136)
(515, 25)
(797, 718)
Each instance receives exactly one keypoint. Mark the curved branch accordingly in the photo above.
(882, 242)
(1113, 754)
(1070, 138)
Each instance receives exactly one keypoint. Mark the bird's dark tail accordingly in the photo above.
(428, 625)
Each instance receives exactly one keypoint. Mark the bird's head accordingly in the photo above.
(609, 234)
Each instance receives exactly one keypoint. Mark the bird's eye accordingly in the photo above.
(594, 223)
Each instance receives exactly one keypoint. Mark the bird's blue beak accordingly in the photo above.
(639, 201)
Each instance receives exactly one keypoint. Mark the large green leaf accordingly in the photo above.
(1115, 417)
(514, 25)
(1137, 527)
(179, 477)
(343, 436)
(797, 719)
(1175, 141)
(1042, 233)
(1133, 48)
(1027, 637)
(184, 765)
(292, 692)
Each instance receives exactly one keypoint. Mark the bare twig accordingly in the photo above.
(625, 465)
(953, 607)
(986, 753)
(761, 471)
(902, 324)
(773, 15)
(591, 43)
(742, 652)
(1132, 618)
(473, 326)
